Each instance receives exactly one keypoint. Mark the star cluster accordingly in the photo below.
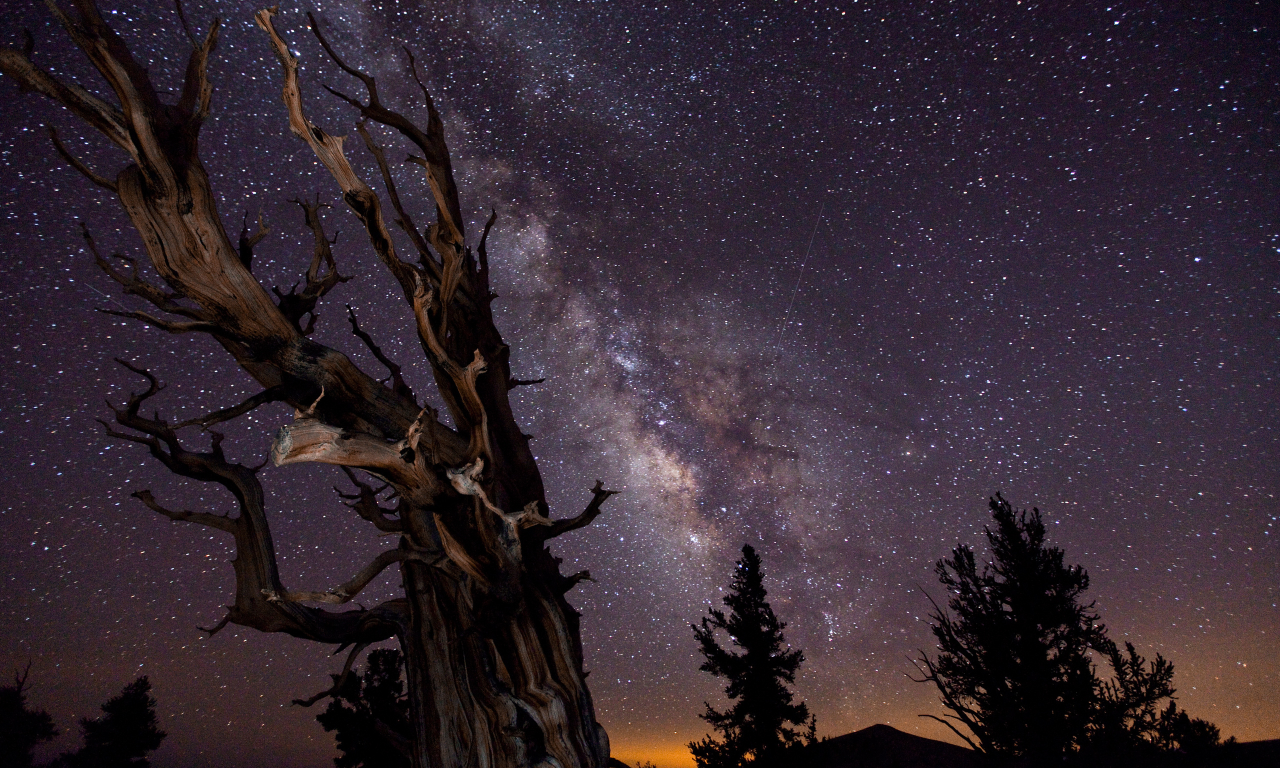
(818, 277)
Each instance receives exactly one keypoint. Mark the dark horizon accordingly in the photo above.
(819, 278)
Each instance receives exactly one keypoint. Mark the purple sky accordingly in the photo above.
(820, 277)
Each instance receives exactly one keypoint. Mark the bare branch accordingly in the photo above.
(574, 580)
(294, 305)
(182, 18)
(149, 127)
(84, 170)
(365, 503)
(310, 411)
(328, 150)
(216, 628)
(345, 592)
(439, 168)
(599, 494)
(220, 522)
(103, 116)
(370, 85)
(483, 252)
(196, 88)
(134, 285)
(397, 380)
(405, 222)
(464, 405)
(257, 577)
(513, 383)
(146, 440)
(337, 683)
(353, 102)
(309, 439)
(172, 326)
(153, 384)
(954, 730)
(273, 395)
(247, 241)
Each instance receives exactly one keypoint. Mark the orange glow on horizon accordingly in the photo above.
(669, 748)
(663, 754)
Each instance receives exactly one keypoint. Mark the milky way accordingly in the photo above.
(816, 277)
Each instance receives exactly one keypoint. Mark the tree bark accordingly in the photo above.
(492, 649)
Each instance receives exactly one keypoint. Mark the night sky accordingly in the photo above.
(820, 277)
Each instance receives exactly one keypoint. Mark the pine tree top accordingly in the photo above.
(757, 673)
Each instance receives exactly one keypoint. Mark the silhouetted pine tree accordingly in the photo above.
(123, 736)
(370, 714)
(1013, 663)
(1128, 712)
(1176, 730)
(757, 727)
(21, 729)
(1014, 667)
(1129, 719)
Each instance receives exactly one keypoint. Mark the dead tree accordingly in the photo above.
(492, 649)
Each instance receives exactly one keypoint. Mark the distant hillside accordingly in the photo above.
(1249, 754)
(883, 746)
(1252, 754)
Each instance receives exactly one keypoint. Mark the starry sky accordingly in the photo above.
(818, 277)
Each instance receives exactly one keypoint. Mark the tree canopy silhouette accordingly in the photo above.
(758, 726)
(492, 649)
(369, 714)
(1016, 645)
(123, 736)
(22, 728)
(1013, 663)
(1128, 718)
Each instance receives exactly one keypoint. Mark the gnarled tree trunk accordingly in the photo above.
(492, 649)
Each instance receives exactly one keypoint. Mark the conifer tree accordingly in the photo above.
(1178, 731)
(758, 726)
(1013, 665)
(1129, 719)
(21, 729)
(369, 714)
(1128, 712)
(125, 733)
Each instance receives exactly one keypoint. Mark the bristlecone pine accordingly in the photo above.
(492, 649)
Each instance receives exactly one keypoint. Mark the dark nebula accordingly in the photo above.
(820, 277)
